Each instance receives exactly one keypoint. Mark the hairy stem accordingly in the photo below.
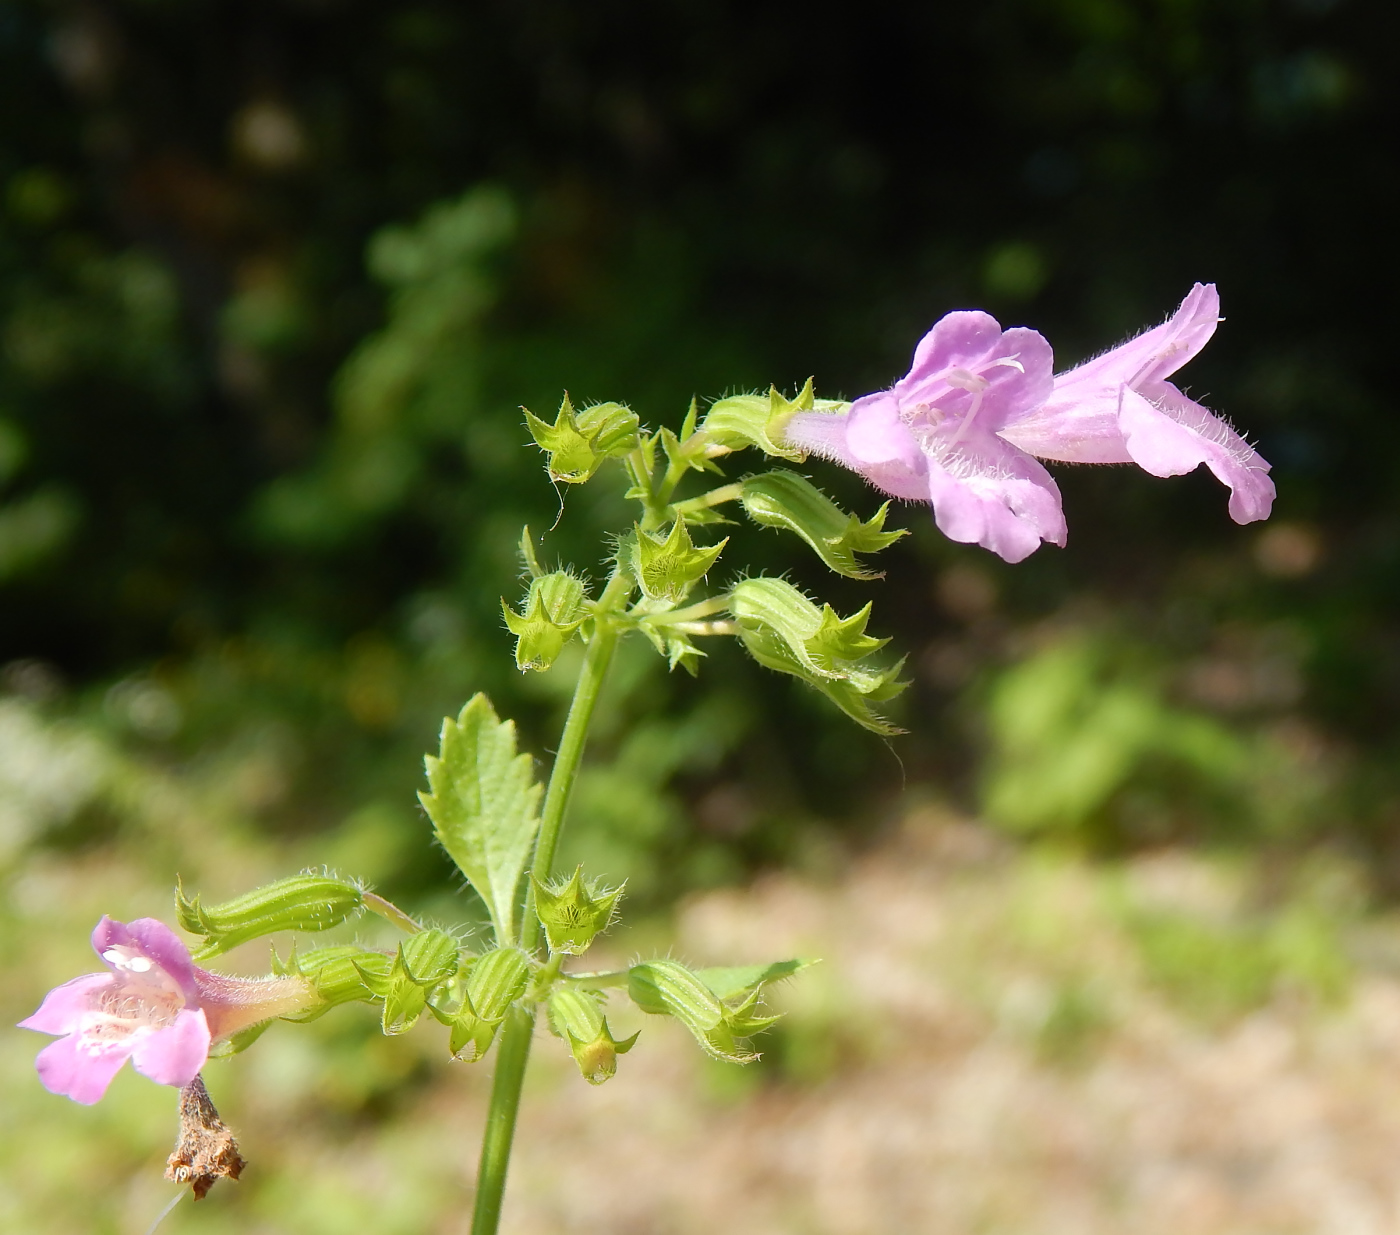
(512, 1054)
(390, 912)
(513, 1051)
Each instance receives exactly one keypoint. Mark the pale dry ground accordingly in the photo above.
(1013, 1065)
(957, 1118)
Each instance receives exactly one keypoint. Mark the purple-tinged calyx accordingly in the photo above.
(154, 1006)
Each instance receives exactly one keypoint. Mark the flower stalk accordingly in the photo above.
(514, 1050)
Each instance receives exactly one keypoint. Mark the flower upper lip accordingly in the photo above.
(966, 426)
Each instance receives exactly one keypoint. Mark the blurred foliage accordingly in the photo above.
(275, 281)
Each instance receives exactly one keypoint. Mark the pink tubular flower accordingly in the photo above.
(1119, 408)
(152, 1005)
(965, 427)
(940, 435)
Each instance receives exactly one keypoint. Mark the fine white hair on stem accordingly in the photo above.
(164, 1213)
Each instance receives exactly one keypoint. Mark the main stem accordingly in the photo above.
(513, 1052)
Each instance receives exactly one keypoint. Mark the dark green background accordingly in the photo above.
(665, 200)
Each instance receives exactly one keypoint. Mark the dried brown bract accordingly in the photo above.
(206, 1150)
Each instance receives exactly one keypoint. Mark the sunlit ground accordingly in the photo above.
(996, 1040)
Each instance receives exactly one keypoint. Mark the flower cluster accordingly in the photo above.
(966, 428)
(154, 1006)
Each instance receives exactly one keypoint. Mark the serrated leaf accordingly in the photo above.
(484, 806)
(783, 499)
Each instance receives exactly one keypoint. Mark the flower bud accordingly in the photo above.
(668, 988)
(552, 612)
(337, 974)
(305, 902)
(576, 1016)
(578, 443)
(668, 569)
(783, 630)
(573, 912)
(495, 981)
(784, 499)
(424, 962)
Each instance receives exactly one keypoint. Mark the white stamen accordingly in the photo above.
(1010, 362)
(124, 958)
(962, 379)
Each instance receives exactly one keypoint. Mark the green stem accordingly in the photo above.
(390, 912)
(513, 1051)
(512, 1055)
(715, 497)
(596, 662)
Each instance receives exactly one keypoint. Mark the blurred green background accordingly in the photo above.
(277, 276)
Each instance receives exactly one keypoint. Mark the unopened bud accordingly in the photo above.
(573, 912)
(552, 612)
(576, 1016)
(305, 902)
(579, 442)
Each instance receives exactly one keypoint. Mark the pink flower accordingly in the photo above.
(964, 429)
(152, 1005)
(1119, 408)
(939, 435)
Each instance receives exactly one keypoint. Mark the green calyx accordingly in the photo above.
(577, 1016)
(783, 499)
(424, 962)
(337, 974)
(573, 911)
(783, 630)
(553, 610)
(495, 981)
(668, 568)
(758, 420)
(305, 902)
(668, 988)
(578, 443)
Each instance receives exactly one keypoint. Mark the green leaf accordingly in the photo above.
(743, 980)
(484, 806)
(783, 499)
